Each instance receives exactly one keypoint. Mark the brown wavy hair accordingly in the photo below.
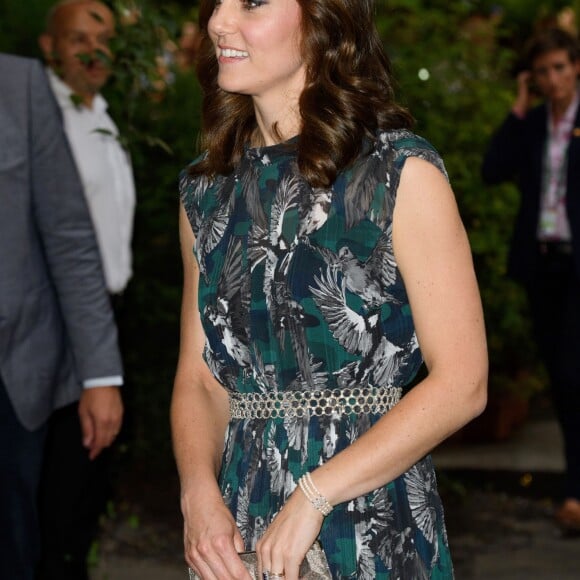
(348, 94)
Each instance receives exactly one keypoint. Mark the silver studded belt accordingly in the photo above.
(290, 404)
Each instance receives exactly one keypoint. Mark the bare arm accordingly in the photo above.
(199, 407)
(434, 257)
(199, 417)
(433, 254)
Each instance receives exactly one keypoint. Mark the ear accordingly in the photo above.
(46, 43)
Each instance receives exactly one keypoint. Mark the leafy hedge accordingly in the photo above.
(453, 68)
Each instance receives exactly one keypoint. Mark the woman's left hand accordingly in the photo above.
(283, 547)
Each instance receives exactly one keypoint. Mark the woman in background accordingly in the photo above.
(324, 261)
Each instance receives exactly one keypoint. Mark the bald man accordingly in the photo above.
(58, 340)
(74, 484)
(76, 48)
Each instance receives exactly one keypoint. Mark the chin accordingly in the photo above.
(232, 88)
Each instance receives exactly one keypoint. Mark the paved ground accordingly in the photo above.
(499, 501)
(124, 568)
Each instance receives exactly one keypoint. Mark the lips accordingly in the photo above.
(94, 66)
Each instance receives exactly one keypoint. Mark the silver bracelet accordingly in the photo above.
(313, 495)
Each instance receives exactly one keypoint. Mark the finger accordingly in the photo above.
(291, 570)
(103, 437)
(87, 428)
(277, 567)
(212, 567)
(222, 561)
(101, 441)
(240, 547)
(285, 564)
(263, 561)
(233, 562)
(107, 428)
(264, 552)
(239, 543)
(94, 452)
(203, 571)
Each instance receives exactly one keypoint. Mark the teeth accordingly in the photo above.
(232, 53)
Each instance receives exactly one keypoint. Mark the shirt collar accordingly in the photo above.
(64, 93)
(570, 115)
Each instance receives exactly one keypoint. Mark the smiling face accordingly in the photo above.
(257, 46)
(79, 32)
(555, 75)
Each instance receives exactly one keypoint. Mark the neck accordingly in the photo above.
(84, 98)
(559, 108)
(85, 101)
(286, 120)
(88, 100)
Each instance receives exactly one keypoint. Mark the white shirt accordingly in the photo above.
(107, 177)
(554, 224)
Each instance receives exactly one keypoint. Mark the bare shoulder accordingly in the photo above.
(424, 191)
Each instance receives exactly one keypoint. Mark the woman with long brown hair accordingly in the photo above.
(324, 262)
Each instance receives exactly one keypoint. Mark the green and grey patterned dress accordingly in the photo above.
(299, 290)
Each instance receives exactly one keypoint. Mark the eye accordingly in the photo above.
(76, 38)
(247, 4)
(251, 4)
(104, 40)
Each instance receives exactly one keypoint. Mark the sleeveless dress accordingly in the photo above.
(299, 290)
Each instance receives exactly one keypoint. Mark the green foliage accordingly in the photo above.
(155, 292)
(20, 25)
(157, 109)
(454, 77)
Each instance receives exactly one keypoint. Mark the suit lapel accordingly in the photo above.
(539, 135)
(574, 156)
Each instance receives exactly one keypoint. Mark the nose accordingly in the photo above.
(553, 76)
(91, 45)
(94, 46)
(224, 18)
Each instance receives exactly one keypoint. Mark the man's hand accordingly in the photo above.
(100, 414)
(524, 97)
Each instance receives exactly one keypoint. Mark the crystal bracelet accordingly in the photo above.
(313, 495)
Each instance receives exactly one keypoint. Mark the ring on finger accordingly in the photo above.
(274, 576)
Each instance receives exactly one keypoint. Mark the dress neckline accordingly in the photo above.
(284, 148)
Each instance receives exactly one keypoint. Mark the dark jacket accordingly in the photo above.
(517, 152)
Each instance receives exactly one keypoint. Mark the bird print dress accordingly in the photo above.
(299, 290)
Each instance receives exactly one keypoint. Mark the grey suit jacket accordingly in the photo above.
(56, 323)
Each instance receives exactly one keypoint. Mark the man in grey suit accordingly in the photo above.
(58, 339)
(74, 488)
